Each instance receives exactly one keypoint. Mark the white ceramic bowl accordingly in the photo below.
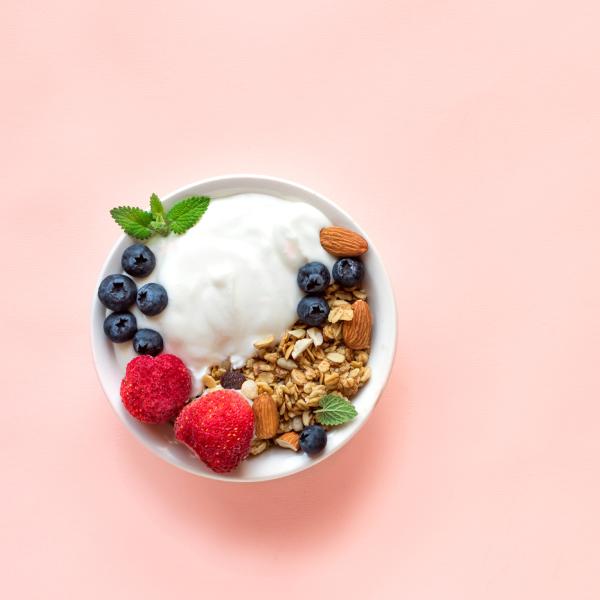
(276, 462)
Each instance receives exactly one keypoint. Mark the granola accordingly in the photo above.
(306, 364)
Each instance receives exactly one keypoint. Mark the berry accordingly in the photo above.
(117, 292)
(233, 379)
(154, 390)
(313, 310)
(313, 278)
(138, 260)
(152, 298)
(120, 327)
(218, 427)
(313, 439)
(348, 272)
(148, 341)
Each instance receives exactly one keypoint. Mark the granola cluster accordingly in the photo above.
(307, 364)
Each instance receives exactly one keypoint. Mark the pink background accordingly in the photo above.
(465, 137)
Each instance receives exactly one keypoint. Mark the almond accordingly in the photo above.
(340, 241)
(290, 440)
(266, 417)
(357, 333)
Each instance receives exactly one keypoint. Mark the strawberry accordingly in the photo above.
(154, 390)
(218, 427)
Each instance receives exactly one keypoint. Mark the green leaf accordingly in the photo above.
(157, 208)
(335, 410)
(134, 221)
(187, 213)
(158, 223)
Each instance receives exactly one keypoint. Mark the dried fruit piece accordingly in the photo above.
(357, 333)
(154, 390)
(340, 241)
(233, 379)
(266, 417)
(218, 428)
(289, 440)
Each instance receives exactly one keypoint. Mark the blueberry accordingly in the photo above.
(152, 298)
(313, 439)
(313, 278)
(313, 310)
(120, 327)
(348, 272)
(148, 341)
(117, 292)
(138, 260)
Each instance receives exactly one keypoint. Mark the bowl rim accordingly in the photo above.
(96, 335)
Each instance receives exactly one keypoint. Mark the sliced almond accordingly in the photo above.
(300, 346)
(336, 357)
(264, 343)
(290, 440)
(286, 363)
(298, 333)
(316, 335)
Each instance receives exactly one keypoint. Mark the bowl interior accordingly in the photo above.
(277, 462)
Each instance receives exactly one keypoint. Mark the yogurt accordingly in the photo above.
(231, 279)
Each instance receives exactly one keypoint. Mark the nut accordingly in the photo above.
(357, 333)
(336, 357)
(286, 363)
(266, 417)
(264, 343)
(340, 241)
(249, 389)
(290, 440)
(258, 446)
(316, 335)
(208, 381)
(298, 333)
(300, 346)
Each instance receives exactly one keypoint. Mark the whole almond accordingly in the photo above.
(266, 417)
(340, 241)
(289, 440)
(357, 333)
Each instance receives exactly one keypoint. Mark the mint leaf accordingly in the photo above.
(157, 208)
(187, 213)
(158, 223)
(335, 410)
(134, 221)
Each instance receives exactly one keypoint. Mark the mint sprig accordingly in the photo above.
(335, 410)
(187, 213)
(134, 221)
(142, 224)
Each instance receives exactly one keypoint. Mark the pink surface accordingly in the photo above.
(465, 137)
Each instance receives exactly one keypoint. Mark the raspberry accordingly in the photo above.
(218, 427)
(155, 389)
